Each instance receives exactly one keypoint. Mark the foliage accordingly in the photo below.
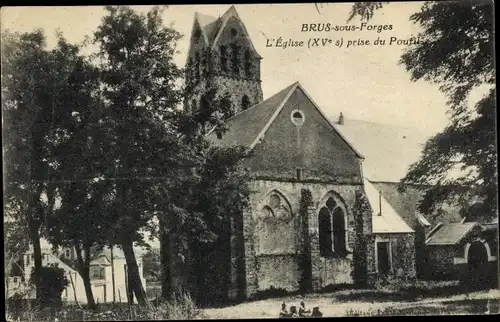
(305, 268)
(140, 96)
(365, 10)
(29, 80)
(220, 199)
(151, 262)
(455, 52)
(54, 282)
(360, 211)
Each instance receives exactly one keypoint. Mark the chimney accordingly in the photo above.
(380, 203)
(341, 119)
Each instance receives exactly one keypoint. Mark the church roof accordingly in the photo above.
(450, 234)
(384, 218)
(249, 126)
(389, 150)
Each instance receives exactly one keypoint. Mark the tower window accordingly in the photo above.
(245, 102)
(197, 34)
(193, 105)
(233, 32)
(298, 117)
(248, 63)
(197, 65)
(223, 58)
(236, 58)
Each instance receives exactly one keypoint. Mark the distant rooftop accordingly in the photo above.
(389, 150)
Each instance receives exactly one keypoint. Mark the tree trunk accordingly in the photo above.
(37, 254)
(84, 271)
(134, 280)
(165, 258)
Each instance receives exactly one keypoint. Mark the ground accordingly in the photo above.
(457, 304)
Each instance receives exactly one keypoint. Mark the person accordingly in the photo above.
(316, 313)
(293, 312)
(283, 312)
(303, 311)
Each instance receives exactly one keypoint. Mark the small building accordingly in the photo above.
(465, 251)
(103, 267)
(394, 238)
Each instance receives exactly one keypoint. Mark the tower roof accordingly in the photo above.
(212, 27)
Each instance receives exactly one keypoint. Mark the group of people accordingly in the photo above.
(303, 311)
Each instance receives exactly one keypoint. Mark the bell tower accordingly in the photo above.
(221, 54)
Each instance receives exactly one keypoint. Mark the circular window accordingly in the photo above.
(298, 117)
(234, 32)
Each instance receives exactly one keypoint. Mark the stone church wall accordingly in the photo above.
(281, 269)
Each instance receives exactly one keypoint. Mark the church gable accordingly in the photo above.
(231, 28)
(301, 144)
(198, 42)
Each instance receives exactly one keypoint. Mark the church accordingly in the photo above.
(315, 219)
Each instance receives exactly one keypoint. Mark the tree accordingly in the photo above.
(78, 223)
(455, 52)
(220, 198)
(140, 96)
(28, 114)
(151, 265)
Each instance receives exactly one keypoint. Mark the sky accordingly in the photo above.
(364, 83)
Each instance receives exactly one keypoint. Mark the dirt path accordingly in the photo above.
(269, 308)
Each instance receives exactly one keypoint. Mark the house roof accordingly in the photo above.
(384, 218)
(450, 234)
(100, 261)
(249, 126)
(389, 150)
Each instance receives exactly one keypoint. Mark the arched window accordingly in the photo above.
(275, 226)
(223, 58)
(203, 103)
(235, 58)
(193, 105)
(325, 232)
(245, 102)
(332, 228)
(197, 64)
(248, 63)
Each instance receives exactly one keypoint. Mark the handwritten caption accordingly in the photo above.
(341, 41)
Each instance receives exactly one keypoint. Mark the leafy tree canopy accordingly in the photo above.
(456, 53)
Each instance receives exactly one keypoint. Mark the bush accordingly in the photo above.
(401, 289)
(179, 308)
(19, 309)
(53, 281)
(273, 292)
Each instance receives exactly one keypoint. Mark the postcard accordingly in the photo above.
(249, 161)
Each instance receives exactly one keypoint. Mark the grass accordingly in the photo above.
(362, 304)
(180, 308)
(457, 307)
(402, 292)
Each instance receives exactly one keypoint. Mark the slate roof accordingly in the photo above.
(212, 27)
(244, 127)
(384, 218)
(248, 126)
(209, 25)
(450, 234)
(406, 205)
(389, 150)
